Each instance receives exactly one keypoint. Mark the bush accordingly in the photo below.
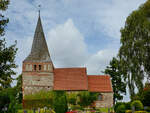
(128, 111)
(121, 109)
(72, 98)
(76, 107)
(148, 109)
(137, 104)
(60, 102)
(118, 104)
(145, 97)
(128, 105)
(140, 112)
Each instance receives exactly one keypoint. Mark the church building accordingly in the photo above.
(39, 73)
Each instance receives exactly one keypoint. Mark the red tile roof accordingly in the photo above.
(99, 83)
(70, 79)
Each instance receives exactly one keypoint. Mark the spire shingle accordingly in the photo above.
(39, 51)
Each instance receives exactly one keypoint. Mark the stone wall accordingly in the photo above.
(37, 79)
(35, 83)
(107, 100)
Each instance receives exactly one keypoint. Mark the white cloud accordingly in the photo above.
(68, 49)
(113, 16)
(100, 60)
(67, 46)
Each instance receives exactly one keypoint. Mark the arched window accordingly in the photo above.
(49, 67)
(100, 97)
(34, 67)
(26, 68)
(45, 67)
(40, 67)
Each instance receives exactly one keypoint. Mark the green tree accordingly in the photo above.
(60, 102)
(8, 103)
(119, 86)
(72, 98)
(7, 54)
(18, 88)
(134, 52)
(86, 98)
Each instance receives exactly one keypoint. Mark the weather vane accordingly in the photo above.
(39, 6)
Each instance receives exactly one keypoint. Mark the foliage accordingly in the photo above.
(18, 88)
(39, 100)
(41, 111)
(126, 104)
(119, 87)
(137, 104)
(72, 98)
(140, 112)
(76, 107)
(7, 54)
(134, 52)
(105, 109)
(40, 95)
(60, 102)
(87, 98)
(56, 100)
(148, 109)
(3, 20)
(121, 109)
(128, 111)
(145, 97)
(8, 101)
(118, 104)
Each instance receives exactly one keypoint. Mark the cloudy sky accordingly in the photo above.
(78, 32)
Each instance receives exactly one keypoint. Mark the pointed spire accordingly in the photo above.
(39, 51)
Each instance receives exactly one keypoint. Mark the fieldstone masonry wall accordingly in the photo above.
(35, 83)
(107, 100)
(39, 79)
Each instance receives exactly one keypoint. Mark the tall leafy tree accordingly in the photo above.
(134, 52)
(18, 89)
(119, 86)
(7, 54)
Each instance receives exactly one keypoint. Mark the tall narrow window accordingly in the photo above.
(35, 67)
(40, 67)
(49, 67)
(30, 67)
(26, 67)
(45, 67)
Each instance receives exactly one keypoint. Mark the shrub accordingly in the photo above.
(121, 109)
(60, 102)
(75, 107)
(128, 111)
(86, 98)
(140, 112)
(118, 104)
(72, 98)
(145, 97)
(148, 109)
(137, 104)
(128, 105)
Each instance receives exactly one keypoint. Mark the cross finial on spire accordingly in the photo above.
(39, 6)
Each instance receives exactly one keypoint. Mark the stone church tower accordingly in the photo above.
(37, 69)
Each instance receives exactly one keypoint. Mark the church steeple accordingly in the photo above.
(39, 51)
